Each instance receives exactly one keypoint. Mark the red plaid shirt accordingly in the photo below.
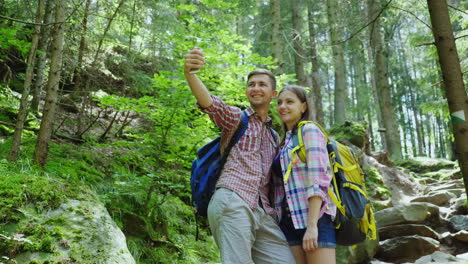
(247, 169)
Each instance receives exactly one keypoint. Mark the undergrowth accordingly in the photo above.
(150, 204)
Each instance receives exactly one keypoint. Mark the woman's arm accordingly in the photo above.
(310, 241)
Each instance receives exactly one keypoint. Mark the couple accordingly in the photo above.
(240, 213)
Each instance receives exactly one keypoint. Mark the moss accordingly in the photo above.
(354, 133)
(425, 165)
(375, 186)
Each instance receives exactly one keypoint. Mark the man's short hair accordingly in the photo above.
(266, 72)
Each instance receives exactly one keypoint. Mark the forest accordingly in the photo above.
(98, 127)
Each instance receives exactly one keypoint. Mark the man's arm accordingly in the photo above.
(193, 62)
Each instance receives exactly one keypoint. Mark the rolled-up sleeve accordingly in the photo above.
(224, 116)
(319, 174)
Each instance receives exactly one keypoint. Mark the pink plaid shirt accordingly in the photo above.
(312, 178)
(247, 169)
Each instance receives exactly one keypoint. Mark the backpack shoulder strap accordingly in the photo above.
(299, 149)
(243, 124)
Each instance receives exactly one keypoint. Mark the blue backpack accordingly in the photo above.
(207, 167)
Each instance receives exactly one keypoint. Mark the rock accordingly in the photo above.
(439, 198)
(443, 174)
(439, 257)
(459, 206)
(463, 256)
(408, 213)
(407, 230)
(459, 222)
(455, 191)
(402, 186)
(447, 186)
(363, 252)
(461, 236)
(406, 249)
(89, 235)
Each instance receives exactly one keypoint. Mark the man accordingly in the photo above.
(239, 213)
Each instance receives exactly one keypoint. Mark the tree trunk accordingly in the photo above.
(24, 104)
(42, 57)
(453, 80)
(132, 22)
(78, 95)
(392, 134)
(297, 43)
(276, 37)
(45, 132)
(378, 106)
(81, 50)
(338, 63)
(316, 93)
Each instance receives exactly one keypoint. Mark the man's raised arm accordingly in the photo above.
(193, 63)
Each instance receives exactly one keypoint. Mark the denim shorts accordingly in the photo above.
(326, 231)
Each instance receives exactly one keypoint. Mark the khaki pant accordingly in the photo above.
(243, 235)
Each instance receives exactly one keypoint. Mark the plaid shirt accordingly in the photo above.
(312, 178)
(247, 171)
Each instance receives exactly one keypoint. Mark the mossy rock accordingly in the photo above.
(352, 132)
(425, 165)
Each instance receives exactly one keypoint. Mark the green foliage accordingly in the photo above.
(375, 186)
(9, 39)
(20, 186)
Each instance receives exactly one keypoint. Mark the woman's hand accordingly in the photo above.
(310, 241)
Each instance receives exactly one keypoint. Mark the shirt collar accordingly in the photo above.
(250, 111)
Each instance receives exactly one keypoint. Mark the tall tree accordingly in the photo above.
(78, 75)
(50, 105)
(24, 104)
(276, 35)
(453, 80)
(370, 55)
(392, 134)
(42, 56)
(338, 63)
(316, 93)
(297, 42)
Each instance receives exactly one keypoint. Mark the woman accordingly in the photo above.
(302, 203)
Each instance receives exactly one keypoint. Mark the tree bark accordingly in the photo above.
(276, 38)
(45, 131)
(338, 63)
(78, 76)
(42, 57)
(392, 133)
(316, 93)
(453, 80)
(297, 43)
(24, 104)
(375, 92)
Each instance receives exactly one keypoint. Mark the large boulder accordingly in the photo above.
(407, 230)
(459, 222)
(438, 198)
(88, 235)
(406, 249)
(408, 213)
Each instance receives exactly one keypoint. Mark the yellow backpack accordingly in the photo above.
(354, 219)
